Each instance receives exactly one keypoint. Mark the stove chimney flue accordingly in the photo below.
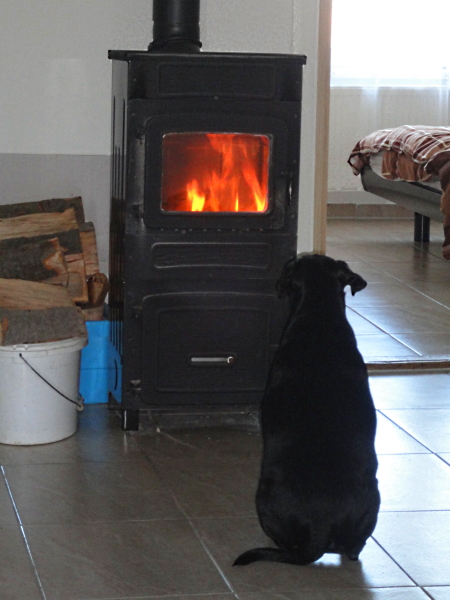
(176, 26)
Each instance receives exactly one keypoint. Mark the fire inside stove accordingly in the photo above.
(215, 172)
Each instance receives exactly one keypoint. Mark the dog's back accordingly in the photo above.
(318, 490)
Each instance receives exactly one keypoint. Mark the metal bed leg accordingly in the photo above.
(421, 228)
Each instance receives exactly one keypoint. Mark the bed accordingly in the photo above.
(409, 165)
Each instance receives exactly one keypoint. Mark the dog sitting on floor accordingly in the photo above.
(318, 491)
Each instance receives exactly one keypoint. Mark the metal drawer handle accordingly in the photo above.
(212, 361)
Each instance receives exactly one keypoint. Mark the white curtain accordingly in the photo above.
(394, 43)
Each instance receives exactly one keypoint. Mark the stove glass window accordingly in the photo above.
(215, 172)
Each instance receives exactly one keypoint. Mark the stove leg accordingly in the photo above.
(130, 420)
(421, 228)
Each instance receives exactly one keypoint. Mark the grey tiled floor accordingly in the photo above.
(113, 515)
(404, 313)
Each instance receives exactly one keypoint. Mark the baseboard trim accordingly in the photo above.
(368, 211)
(431, 365)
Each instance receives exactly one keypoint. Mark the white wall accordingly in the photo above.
(55, 76)
(55, 82)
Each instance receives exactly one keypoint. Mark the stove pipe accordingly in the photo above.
(176, 26)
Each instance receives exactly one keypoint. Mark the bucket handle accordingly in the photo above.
(79, 405)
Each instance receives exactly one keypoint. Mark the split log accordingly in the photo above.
(40, 326)
(75, 285)
(69, 241)
(30, 295)
(93, 314)
(78, 285)
(44, 206)
(89, 245)
(59, 280)
(37, 224)
(21, 258)
(70, 244)
(57, 218)
(98, 287)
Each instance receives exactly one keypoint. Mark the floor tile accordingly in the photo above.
(427, 344)
(413, 482)
(229, 596)
(7, 514)
(445, 456)
(434, 246)
(99, 438)
(391, 439)
(369, 594)
(420, 318)
(120, 560)
(431, 427)
(383, 346)
(347, 232)
(385, 294)
(395, 251)
(411, 391)
(360, 325)
(418, 270)
(406, 233)
(439, 593)
(371, 273)
(17, 578)
(85, 492)
(213, 488)
(202, 443)
(437, 290)
(340, 252)
(419, 542)
(227, 538)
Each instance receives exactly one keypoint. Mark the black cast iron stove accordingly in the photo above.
(204, 204)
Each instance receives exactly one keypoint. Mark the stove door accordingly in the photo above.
(215, 172)
(207, 348)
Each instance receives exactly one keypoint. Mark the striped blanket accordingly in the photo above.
(411, 153)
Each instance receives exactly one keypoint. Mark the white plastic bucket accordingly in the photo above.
(31, 411)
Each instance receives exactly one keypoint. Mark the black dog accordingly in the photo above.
(318, 490)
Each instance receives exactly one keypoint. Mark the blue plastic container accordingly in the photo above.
(94, 363)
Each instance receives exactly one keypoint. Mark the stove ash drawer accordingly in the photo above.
(206, 342)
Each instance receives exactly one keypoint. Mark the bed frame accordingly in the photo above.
(424, 200)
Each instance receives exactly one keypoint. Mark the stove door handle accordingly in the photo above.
(212, 361)
(289, 181)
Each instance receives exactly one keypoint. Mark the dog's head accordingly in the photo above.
(297, 270)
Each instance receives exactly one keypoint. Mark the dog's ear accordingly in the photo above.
(289, 280)
(346, 277)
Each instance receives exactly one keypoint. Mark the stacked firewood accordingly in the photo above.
(50, 281)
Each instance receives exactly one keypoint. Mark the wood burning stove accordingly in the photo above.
(203, 215)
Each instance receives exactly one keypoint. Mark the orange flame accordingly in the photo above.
(196, 200)
(230, 173)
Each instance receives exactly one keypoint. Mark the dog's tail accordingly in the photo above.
(292, 557)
